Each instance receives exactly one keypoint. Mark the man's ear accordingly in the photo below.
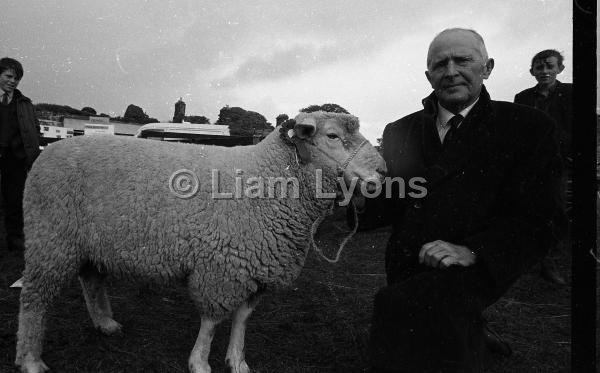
(428, 77)
(489, 66)
(560, 69)
(531, 72)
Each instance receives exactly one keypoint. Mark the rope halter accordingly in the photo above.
(350, 158)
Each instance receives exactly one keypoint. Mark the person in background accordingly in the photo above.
(19, 147)
(556, 99)
(491, 210)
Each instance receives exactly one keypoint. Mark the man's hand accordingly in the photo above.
(442, 254)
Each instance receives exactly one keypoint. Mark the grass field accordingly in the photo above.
(320, 324)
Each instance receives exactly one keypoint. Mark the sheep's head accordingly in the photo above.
(333, 139)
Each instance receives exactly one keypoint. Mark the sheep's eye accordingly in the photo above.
(333, 136)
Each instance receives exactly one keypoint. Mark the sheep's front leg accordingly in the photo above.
(235, 352)
(198, 361)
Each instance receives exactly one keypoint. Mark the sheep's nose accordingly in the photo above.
(371, 187)
(381, 171)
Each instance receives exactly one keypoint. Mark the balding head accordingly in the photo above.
(457, 65)
(462, 34)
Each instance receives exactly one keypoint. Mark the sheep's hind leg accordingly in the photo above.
(42, 282)
(198, 361)
(235, 352)
(96, 300)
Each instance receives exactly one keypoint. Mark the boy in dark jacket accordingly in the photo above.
(556, 99)
(19, 147)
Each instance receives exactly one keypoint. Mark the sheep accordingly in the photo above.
(106, 205)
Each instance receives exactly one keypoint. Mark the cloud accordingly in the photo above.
(295, 60)
(269, 56)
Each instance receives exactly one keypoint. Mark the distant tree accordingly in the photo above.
(135, 114)
(249, 124)
(332, 108)
(59, 109)
(228, 115)
(198, 119)
(281, 118)
(242, 122)
(89, 110)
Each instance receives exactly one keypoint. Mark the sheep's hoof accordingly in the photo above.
(32, 365)
(241, 367)
(199, 367)
(109, 326)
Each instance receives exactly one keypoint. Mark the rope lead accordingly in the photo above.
(317, 223)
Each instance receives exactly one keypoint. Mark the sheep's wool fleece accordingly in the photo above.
(106, 200)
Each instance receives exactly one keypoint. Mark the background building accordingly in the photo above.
(179, 111)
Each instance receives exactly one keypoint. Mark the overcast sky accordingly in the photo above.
(267, 56)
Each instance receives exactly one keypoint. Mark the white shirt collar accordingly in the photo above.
(10, 95)
(444, 115)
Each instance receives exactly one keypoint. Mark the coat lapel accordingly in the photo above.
(431, 144)
(444, 162)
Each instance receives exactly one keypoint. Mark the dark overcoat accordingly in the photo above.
(494, 189)
(560, 108)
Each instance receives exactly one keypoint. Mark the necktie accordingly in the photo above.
(453, 123)
(5, 99)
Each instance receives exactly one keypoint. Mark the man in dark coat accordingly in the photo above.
(556, 99)
(19, 147)
(492, 207)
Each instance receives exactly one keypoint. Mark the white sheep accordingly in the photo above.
(105, 205)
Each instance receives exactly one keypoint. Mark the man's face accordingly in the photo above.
(9, 81)
(456, 69)
(545, 70)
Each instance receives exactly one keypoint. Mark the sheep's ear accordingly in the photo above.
(305, 128)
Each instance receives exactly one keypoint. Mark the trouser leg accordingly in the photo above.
(549, 270)
(12, 184)
(431, 322)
